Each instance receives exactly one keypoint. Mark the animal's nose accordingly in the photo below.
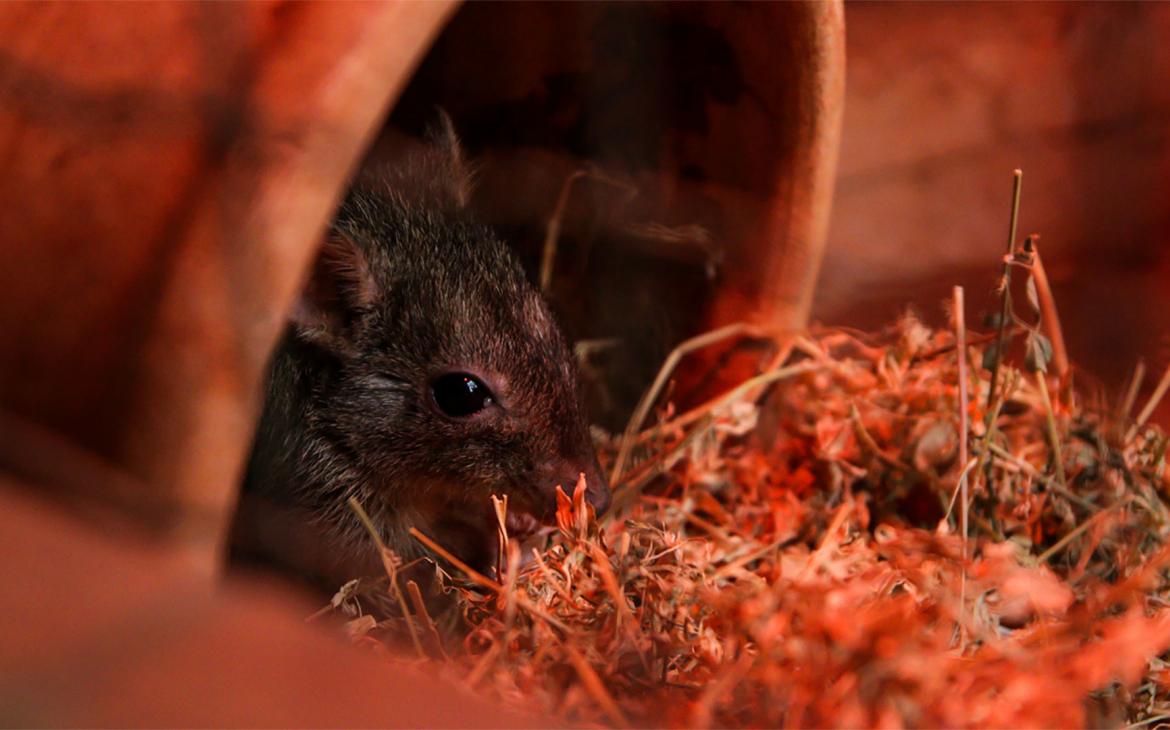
(597, 491)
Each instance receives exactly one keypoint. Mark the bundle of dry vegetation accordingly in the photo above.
(909, 528)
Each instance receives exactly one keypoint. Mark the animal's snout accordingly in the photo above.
(566, 473)
(597, 489)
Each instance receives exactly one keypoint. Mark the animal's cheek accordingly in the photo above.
(470, 461)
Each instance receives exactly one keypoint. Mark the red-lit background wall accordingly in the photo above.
(943, 101)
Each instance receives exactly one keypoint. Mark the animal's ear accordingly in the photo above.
(340, 287)
(457, 175)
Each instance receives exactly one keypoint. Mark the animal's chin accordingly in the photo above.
(526, 532)
(522, 525)
(473, 536)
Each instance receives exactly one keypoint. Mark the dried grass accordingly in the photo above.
(790, 554)
(793, 561)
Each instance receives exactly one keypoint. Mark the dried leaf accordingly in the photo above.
(1033, 297)
(1037, 352)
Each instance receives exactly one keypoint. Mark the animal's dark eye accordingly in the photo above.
(460, 394)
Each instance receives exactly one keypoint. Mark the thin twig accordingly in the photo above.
(964, 474)
(1135, 386)
(766, 378)
(1005, 297)
(629, 483)
(965, 503)
(391, 573)
(1147, 721)
(743, 560)
(420, 608)
(595, 687)
(472, 574)
(633, 481)
(500, 508)
(485, 663)
(1036, 474)
(483, 581)
(944, 349)
(1048, 313)
(1074, 533)
(1151, 405)
(866, 440)
(1053, 432)
(964, 427)
(676, 355)
(990, 427)
(552, 232)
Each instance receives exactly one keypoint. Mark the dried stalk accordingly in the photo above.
(1053, 432)
(729, 590)
(552, 232)
(483, 581)
(1073, 534)
(1131, 393)
(1005, 296)
(964, 428)
(676, 355)
(595, 687)
(1049, 315)
(391, 572)
(743, 391)
(420, 608)
(1151, 405)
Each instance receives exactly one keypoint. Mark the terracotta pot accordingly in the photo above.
(167, 171)
(165, 181)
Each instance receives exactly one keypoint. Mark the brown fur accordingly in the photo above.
(407, 287)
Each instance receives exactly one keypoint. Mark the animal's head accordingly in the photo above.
(446, 378)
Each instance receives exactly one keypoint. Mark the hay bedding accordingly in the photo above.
(768, 575)
(791, 554)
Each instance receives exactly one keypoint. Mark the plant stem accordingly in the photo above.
(1048, 314)
(1131, 394)
(964, 506)
(552, 232)
(1053, 434)
(1005, 298)
(1151, 404)
(961, 347)
(391, 573)
(647, 402)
